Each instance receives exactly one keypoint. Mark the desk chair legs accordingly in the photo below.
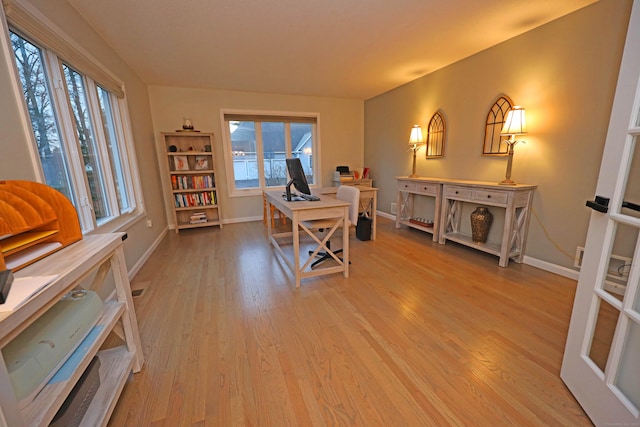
(324, 256)
(346, 193)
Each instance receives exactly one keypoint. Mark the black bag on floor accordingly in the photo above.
(363, 228)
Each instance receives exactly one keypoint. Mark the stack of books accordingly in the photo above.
(198, 218)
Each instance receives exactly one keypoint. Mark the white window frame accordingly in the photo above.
(251, 116)
(25, 16)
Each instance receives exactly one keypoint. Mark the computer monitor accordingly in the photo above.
(298, 178)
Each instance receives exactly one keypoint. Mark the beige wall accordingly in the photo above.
(15, 162)
(341, 130)
(563, 74)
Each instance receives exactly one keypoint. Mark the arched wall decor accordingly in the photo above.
(492, 144)
(436, 136)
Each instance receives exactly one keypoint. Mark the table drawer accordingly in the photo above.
(460, 193)
(521, 198)
(431, 189)
(406, 186)
(493, 196)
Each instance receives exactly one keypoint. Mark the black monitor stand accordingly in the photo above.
(288, 190)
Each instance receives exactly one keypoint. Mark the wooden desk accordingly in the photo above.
(368, 202)
(326, 208)
(366, 182)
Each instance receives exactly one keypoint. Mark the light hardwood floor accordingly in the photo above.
(421, 334)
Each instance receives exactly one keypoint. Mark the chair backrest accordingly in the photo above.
(351, 194)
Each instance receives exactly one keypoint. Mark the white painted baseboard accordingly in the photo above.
(145, 256)
(534, 262)
(386, 215)
(246, 219)
(552, 268)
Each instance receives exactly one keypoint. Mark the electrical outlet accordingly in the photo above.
(394, 208)
(149, 223)
(617, 271)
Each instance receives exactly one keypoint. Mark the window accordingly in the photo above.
(79, 130)
(256, 146)
(116, 160)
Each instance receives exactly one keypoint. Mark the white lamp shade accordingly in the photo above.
(416, 136)
(516, 123)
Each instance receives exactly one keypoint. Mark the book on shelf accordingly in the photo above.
(205, 198)
(183, 182)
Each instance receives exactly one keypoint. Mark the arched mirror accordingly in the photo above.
(493, 145)
(436, 136)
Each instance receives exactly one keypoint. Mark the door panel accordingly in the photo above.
(619, 261)
(632, 189)
(630, 385)
(601, 364)
(605, 328)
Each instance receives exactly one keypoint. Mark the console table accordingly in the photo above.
(451, 195)
(408, 190)
(93, 259)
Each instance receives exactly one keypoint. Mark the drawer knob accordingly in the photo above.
(456, 191)
(488, 196)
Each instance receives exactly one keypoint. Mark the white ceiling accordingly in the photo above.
(338, 48)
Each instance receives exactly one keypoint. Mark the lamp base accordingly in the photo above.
(507, 182)
(413, 170)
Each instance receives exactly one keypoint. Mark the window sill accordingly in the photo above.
(122, 223)
(251, 192)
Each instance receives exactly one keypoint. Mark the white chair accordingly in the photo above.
(346, 193)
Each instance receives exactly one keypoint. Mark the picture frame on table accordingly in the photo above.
(181, 163)
(202, 162)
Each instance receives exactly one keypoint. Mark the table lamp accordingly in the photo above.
(415, 142)
(515, 124)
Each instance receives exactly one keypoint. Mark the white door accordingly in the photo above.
(601, 364)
